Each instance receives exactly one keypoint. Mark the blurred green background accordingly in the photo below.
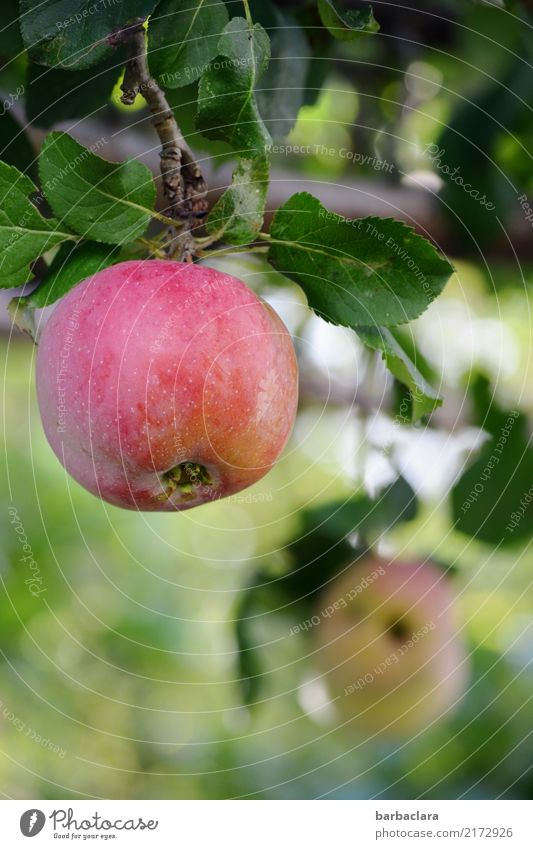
(121, 680)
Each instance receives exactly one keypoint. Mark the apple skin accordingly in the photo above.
(165, 385)
(379, 683)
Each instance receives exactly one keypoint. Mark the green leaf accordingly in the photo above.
(395, 504)
(73, 33)
(321, 63)
(319, 553)
(283, 85)
(345, 24)
(478, 204)
(24, 234)
(323, 548)
(103, 201)
(54, 95)
(71, 265)
(183, 39)
(485, 414)
(422, 396)
(361, 272)
(10, 36)
(248, 660)
(493, 499)
(238, 215)
(227, 107)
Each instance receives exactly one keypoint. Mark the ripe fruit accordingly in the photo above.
(163, 385)
(388, 645)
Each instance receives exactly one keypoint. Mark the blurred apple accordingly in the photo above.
(388, 644)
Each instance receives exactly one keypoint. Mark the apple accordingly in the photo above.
(387, 642)
(164, 385)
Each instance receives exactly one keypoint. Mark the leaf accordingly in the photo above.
(24, 234)
(338, 520)
(238, 215)
(54, 95)
(423, 398)
(10, 36)
(345, 24)
(71, 265)
(15, 144)
(320, 65)
(250, 670)
(103, 201)
(477, 196)
(227, 107)
(493, 500)
(73, 33)
(322, 548)
(319, 70)
(360, 272)
(319, 553)
(183, 39)
(283, 85)
(485, 413)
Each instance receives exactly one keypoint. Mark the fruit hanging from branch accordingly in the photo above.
(388, 645)
(176, 389)
(164, 385)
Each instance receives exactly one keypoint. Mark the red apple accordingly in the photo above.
(387, 642)
(163, 385)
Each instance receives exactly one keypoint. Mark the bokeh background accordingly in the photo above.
(122, 679)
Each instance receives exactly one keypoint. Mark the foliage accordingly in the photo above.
(323, 547)
(369, 274)
(442, 91)
(97, 199)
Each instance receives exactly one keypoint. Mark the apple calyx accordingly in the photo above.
(184, 478)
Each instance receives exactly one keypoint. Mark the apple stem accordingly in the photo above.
(183, 183)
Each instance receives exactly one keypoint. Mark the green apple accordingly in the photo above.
(388, 644)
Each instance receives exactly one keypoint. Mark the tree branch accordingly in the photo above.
(183, 184)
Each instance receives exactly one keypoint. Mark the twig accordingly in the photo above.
(248, 13)
(183, 184)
